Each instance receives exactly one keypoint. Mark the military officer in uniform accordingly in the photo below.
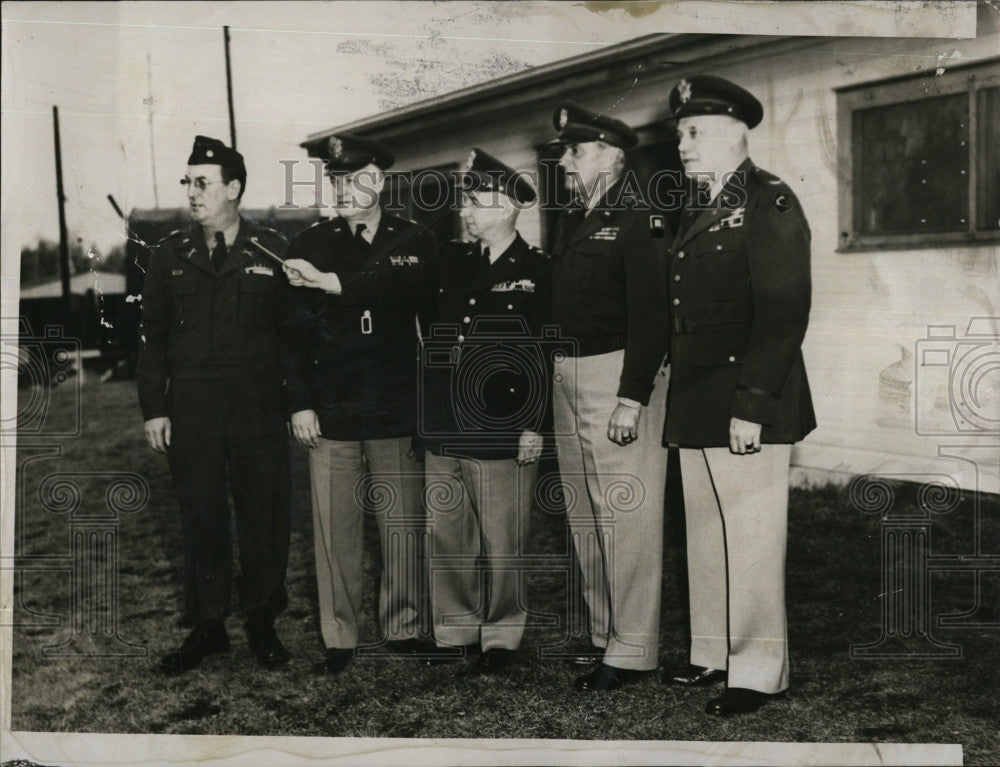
(484, 404)
(608, 399)
(351, 370)
(739, 303)
(210, 391)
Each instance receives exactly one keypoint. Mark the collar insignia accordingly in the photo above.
(336, 147)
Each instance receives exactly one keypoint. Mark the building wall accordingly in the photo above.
(870, 309)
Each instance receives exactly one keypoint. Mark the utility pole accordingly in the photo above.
(63, 236)
(229, 90)
(152, 142)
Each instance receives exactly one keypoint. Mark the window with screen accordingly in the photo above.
(921, 159)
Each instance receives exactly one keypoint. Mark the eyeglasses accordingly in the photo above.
(200, 183)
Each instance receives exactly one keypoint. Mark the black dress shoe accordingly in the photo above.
(205, 639)
(443, 655)
(738, 700)
(694, 676)
(605, 678)
(495, 660)
(264, 643)
(335, 660)
(187, 620)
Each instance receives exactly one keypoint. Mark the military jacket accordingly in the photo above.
(353, 357)
(609, 284)
(199, 323)
(486, 361)
(739, 302)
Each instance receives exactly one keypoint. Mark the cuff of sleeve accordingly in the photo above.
(296, 399)
(755, 406)
(154, 409)
(636, 391)
(629, 403)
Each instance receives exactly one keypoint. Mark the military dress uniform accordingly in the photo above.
(352, 358)
(485, 379)
(739, 303)
(608, 300)
(208, 360)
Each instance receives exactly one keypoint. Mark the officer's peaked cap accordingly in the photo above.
(347, 152)
(211, 151)
(485, 173)
(576, 124)
(709, 95)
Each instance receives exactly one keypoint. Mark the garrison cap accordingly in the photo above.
(577, 125)
(211, 151)
(347, 152)
(484, 173)
(709, 95)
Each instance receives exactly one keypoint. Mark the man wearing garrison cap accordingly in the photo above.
(210, 392)
(608, 399)
(351, 369)
(484, 404)
(739, 303)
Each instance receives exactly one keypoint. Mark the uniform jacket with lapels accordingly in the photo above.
(352, 357)
(739, 301)
(199, 323)
(486, 360)
(609, 284)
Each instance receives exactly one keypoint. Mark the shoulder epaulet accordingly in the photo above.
(176, 234)
(782, 197)
(320, 222)
(539, 253)
(272, 232)
(766, 177)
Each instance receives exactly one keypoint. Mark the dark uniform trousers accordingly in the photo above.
(489, 317)
(739, 299)
(352, 358)
(209, 360)
(609, 288)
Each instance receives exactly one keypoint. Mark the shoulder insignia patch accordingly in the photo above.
(782, 203)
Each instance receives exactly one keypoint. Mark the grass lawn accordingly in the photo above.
(833, 599)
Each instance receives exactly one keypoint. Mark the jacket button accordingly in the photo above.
(677, 278)
(472, 302)
(461, 338)
(680, 254)
(440, 290)
(510, 306)
(718, 247)
(677, 302)
(732, 359)
(466, 320)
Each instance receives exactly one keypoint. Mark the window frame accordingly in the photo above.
(968, 78)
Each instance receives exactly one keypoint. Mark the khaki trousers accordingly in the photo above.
(478, 518)
(342, 492)
(614, 500)
(736, 507)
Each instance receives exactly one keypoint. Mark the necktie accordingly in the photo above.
(486, 258)
(220, 251)
(357, 234)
